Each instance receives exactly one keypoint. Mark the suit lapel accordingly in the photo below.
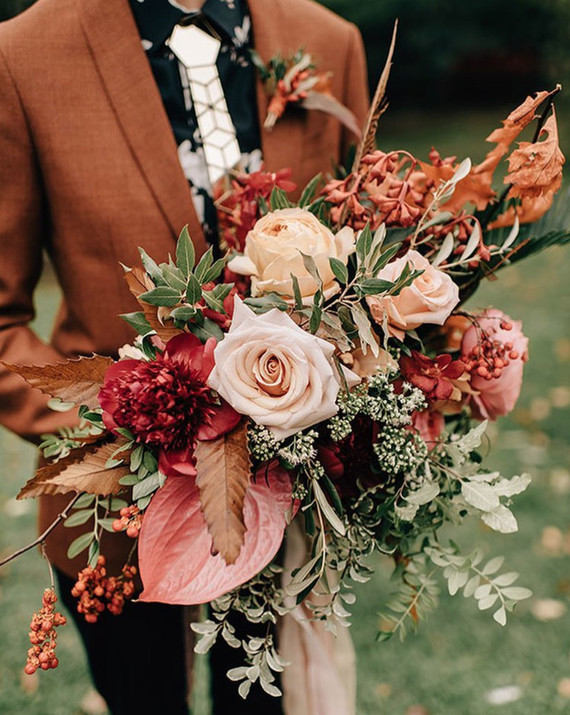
(282, 148)
(113, 37)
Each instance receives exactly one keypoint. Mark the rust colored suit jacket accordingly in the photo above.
(89, 171)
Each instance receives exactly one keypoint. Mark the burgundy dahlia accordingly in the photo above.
(166, 403)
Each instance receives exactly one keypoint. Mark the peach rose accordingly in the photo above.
(496, 396)
(276, 373)
(430, 298)
(273, 252)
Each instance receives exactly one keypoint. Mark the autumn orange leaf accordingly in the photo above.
(84, 470)
(535, 169)
(224, 473)
(76, 381)
(139, 282)
(513, 125)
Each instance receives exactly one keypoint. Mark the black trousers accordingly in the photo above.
(138, 663)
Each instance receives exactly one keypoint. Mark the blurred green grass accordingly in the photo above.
(460, 653)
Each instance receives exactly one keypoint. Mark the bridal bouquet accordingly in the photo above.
(333, 389)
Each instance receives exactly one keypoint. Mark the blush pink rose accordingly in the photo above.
(429, 299)
(496, 396)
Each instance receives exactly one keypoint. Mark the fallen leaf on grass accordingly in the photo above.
(563, 687)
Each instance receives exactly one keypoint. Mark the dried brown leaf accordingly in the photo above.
(224, 472)
(139, 282)
(513, 125)
(76, 381)
(84, 470)
(535, 169)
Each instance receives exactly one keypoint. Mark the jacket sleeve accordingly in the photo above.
(23, 409)
(356, 91)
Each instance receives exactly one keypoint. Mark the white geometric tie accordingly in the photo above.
(198, 51)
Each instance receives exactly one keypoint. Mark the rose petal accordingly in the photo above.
(175, 559)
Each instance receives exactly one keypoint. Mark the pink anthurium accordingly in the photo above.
(175, 547)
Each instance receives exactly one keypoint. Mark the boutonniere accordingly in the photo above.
(296, 80)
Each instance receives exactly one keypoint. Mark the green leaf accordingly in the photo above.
(150, 461)
(374, 286)
(107, 524)
(151, 267)
(222, 290)
(278, 200)
(311, 267)
(138, 322)
(267, 302)
(136, 458)
(364, 330)
(147, 486)
(328, 511)
(204, 265)
(183, 314)
(426, 493)
(94, 551)
(364, 243)
(517, 593)
(129, 480)
(116, 504)
(173, 277)
(333, 494)
(185, 253)
(84, 501)
(80, 544)
(213, 330)
(213, 302)
(163, 296)
(481, 496)
(193, 291)
(310, 190)
(339, 269)
(214, 271)
(78, 517)
(297, 292)
(385, 258)
(315, 321)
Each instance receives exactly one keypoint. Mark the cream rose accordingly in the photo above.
(273, 252)
(429, 299)
(276, 373)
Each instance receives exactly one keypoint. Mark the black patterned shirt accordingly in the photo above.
(230, 19)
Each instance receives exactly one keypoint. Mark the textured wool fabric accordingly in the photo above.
(89, 171)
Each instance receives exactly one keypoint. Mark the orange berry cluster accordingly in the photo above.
(43, 635)
(96, 591)
(130, 521)
(489, 357)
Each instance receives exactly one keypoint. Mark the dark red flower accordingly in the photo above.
(166, 403)
(433, 377)
(352, 458)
